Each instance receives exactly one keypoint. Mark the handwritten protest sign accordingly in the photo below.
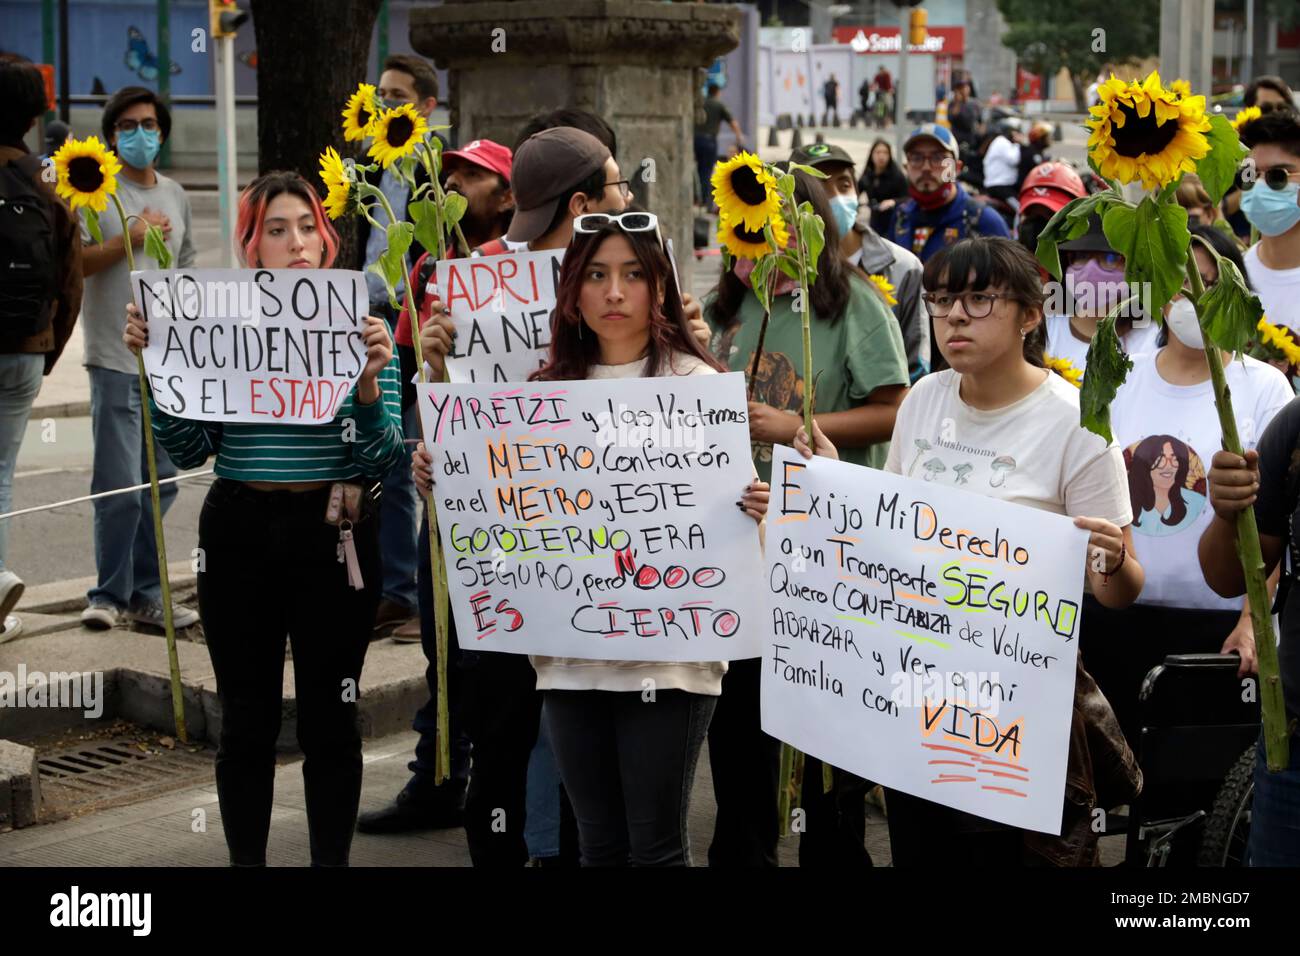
(252, 345)
(501, 308)
(923, 637)
(598, 519)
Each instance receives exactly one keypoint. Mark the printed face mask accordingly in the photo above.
(1184, 324)
(1093, 286)
(1271, 211)
(846, 212)
(139, 147)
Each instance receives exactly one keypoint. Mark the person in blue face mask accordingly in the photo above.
(870, 254)
(135, 124)
(1270, 183)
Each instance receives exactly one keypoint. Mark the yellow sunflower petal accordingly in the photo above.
(359, 114)
(745, 191)
(87, 173)
(397, 133)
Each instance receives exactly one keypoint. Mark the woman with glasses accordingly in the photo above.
(1018, 439)
(1165, 421)
(627, 760)
(1093, 286)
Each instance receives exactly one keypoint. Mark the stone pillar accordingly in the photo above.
(1186, 42)
(638, 63)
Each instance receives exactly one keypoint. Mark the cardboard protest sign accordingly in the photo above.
(598, 519)
(501, 307)
(922, 636)
(253, 345)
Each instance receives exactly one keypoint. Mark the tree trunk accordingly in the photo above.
(1080, 92)
(307, 67)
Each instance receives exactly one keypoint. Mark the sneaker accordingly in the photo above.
(11, 590)
(100, 615)
(391, 612)
(13, 626)
(152, 614)
(408, 633)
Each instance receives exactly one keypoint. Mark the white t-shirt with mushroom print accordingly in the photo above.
(1032, 452)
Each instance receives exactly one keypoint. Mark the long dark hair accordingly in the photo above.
(829, 294)
(994, 261)
(573, 351)
(1142, 490)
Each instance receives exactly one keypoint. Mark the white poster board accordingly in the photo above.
(923, 637)
(501, 309)
(253, 345)
(598, 519)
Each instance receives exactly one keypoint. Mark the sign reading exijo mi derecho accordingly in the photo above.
(922, 636)
(598, 519)
(501, 309)
(253, 345)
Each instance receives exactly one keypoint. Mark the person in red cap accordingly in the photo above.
(1047, 188)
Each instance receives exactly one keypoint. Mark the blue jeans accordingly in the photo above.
(1275, 814)
(398, 520)
(125, 553)
(706, 157)
(542, 825)
(20, 381)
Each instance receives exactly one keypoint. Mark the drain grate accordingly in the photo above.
(117, 771)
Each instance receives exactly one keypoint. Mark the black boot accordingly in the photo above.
(405, 814)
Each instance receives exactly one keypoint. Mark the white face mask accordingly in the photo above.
(1183, 323)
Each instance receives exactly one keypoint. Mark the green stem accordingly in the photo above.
(155, 498)
(762, 334)
(806, 318)
(1272, 706)
(426, 157)
(785, 788)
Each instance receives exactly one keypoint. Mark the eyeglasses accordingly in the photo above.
(129, 126)
(1110, 261)
(627, 221)
(1165, 461)
(920, 160)
(976, 305)
(1275, 177)
(624, 189)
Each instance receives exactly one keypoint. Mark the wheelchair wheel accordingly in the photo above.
(1227, 830)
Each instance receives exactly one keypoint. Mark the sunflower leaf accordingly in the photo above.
(378, 269)
(1069, 222)
(453, 207)
(393, 259)
(788, 265)
(786, 184)
(815, 173)
(760, 278)
(155, 248)
(1105, 373)
(92, 226)
(1218, 167)
(424, 213)
(1153, 239)
(812, 235)
(1229, 311)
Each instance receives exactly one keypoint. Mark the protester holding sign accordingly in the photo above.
(997, 423)
(862, 376)
(288, 545)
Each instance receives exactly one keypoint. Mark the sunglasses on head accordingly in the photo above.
(627, 221)
(1275, 177)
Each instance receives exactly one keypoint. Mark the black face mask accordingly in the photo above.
(1029, 231)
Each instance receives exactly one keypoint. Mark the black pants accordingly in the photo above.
(272, 571)
(925, 835)
(835, 822)
(746, 764)
(628, 764)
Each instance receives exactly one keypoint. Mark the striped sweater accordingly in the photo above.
(287, 452)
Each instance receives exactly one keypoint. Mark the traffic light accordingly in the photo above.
(225, 18)
(916, 27)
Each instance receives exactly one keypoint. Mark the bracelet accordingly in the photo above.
(1105, 575)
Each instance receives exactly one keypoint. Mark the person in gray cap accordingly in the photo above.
(560, 174)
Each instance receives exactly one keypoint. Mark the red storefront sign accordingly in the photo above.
(939, 41)
(1029, 86)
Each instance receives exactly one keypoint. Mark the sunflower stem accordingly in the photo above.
(1272, 706)
(762, 334)
(155, 500)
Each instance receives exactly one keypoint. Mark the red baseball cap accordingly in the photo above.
(1051, 185)
(483, 152)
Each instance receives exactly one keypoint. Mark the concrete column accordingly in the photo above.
(1187, 42)
(640, 64)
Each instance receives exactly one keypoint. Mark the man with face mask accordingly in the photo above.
(870, 254)
(1270, 199)
(135, 124)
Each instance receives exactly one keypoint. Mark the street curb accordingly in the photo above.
(61, 410)
(62, 597)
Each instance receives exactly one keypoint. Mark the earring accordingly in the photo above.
(1023, 333)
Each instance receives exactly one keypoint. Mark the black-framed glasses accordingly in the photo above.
(1275, 177)
(129, 126)
(624, 187)
(975, 305)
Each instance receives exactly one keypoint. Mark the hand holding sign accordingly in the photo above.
(437, 336)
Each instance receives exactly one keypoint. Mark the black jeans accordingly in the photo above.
(835, 823)
(628, 765)
(746, 764)
(421, 786)
(271, 570)
(923, 834)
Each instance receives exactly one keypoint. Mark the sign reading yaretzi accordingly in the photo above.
(922, 636)
(253, 345)
(598, 519)
(501, 309)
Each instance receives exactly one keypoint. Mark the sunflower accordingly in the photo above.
(1144, 131)
(359, 114)
(341, 197)
(745, 191)
(745, 243)
(397, 132)
(87, 172)
(1064, 368)
(1245, 116)
(1276, 342)
(886, 288)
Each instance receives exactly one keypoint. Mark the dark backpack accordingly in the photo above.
(29, 273)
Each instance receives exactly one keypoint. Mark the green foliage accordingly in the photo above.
(1229, 312)
(1153, 239)
(812, 233)
(1051, 38)
(1069, 222)
(1218, 167)
(156, 249)
(1107, 368)
(92, 226)
(424, 213)
(392, 263)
